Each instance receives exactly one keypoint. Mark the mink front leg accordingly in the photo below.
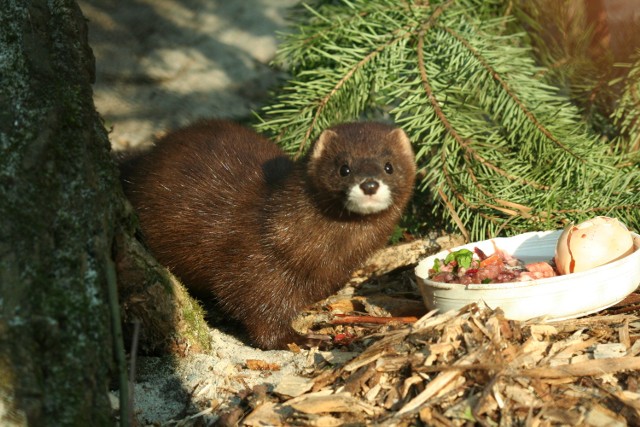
(274, 333)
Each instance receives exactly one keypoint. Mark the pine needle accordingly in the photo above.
(501, 150)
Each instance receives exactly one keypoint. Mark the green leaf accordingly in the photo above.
(436, 265)
(462, 257)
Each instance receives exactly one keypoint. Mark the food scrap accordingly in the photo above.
(475, 267)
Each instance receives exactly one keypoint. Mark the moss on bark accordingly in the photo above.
(171, 321)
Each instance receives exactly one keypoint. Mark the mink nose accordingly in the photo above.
(369, 187)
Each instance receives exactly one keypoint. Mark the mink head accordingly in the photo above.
(367, 167)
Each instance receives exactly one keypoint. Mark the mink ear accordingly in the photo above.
(399, 138)
(322, 143)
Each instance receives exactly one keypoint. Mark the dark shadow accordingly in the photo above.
(275, 170)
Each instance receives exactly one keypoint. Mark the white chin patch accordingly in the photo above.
(364, 204)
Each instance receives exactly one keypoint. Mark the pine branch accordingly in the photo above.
(500, 150)
(627, 115)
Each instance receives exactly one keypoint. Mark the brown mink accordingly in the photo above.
(231, 215)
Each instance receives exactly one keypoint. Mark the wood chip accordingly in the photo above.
(540, 332)
(293, 385)
(317, 403)
(629, 398)
(599, 416)
(267, 414)
(473, 365)
(588, 368)
(434, 386)
(609, 350)
(261, 365)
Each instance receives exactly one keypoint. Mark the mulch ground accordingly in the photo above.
(401, 366)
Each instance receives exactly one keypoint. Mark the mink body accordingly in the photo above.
(231, 215)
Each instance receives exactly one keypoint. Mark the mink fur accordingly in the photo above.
(233, 216)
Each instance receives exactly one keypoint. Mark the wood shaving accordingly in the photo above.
(476, 366)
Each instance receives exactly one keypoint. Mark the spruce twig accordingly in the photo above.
(500, 149)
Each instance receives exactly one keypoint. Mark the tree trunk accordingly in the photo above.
(58, 207)
(63, 223)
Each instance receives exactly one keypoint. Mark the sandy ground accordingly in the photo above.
(165, 63)
(161, 64)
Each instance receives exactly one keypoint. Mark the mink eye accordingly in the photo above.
(345, 170)
(388, 168)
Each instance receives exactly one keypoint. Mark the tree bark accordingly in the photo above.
(58, 207)
(65, 227)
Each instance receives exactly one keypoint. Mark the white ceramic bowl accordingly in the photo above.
(555, 298)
